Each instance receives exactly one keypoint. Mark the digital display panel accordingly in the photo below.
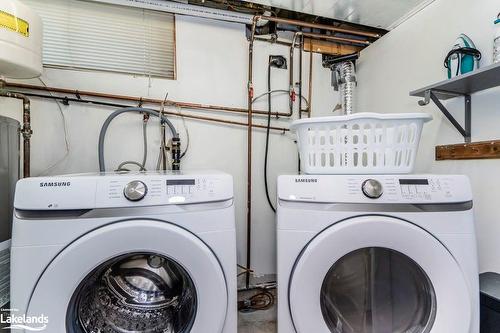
(174, 182)
(414, 182)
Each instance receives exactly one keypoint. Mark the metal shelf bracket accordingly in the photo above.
(431, 94)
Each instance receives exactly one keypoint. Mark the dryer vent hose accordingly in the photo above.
(347, 85)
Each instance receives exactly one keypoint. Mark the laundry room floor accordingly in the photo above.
(257, 321)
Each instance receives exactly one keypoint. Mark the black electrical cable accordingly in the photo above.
(263, 300)
(268, 130)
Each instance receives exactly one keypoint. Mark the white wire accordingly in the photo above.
(281, 91)
(66, 136)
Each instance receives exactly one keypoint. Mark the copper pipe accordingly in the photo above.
(170, 113)
(26, 130)
(309, 94)
(223, 121)
(183, 105)
(291, 87)
(272, 41)
(293, 45)
(317, 26)
(249, 153)
(301, 55)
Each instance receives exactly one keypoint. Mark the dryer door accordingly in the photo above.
(133, 276)
(377, 274)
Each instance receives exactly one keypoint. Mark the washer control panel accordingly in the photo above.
(375, 188)
(162, 190)
(115, 190)
(424, 188)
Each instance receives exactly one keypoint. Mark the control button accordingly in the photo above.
(135, 190)
(372, 188)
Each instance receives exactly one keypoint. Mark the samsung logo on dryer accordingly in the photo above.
(306, 180)
(55, 184)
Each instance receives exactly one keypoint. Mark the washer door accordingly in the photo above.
(377, 274)
(133, 276)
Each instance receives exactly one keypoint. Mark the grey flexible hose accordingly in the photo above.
(142, 165)
(121, 166)
(118, 112)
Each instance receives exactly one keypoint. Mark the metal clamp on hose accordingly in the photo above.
(176, 153)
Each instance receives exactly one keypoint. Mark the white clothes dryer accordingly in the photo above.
(133, 252)
(376, 254)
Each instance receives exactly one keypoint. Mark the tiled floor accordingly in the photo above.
(258, 322)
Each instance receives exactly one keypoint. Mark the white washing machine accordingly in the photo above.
(127, 252)
(379, 255)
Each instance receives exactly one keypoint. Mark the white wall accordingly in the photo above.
(211, 69)
(411, 57)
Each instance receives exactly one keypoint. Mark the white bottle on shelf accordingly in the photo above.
(496, 41)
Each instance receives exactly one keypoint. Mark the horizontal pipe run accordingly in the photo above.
(318, 26)
(170, 113)
(141, 100)
(273, 41)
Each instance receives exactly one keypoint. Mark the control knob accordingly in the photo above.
(372, 188)
(135, 190)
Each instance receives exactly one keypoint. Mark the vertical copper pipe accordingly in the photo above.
(309, 94)
(249, 154)
(290, 78)
(301, 49)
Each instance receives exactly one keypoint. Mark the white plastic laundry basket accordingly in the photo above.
(362, 143)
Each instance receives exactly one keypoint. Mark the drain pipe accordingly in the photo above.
(26, 130)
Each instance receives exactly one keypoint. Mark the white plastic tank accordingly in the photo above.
(21, 32)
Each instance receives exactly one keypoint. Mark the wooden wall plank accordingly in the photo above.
(325, 47)
(469, 151)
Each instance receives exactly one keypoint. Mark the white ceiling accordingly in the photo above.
(384, 14)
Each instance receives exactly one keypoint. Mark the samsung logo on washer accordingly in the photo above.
(306, 180)
(55, 184)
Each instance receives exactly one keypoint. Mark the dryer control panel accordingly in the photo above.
(375, 188)
(113, 190)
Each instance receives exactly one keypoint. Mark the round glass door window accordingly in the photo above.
(377, 290)
(140, 292)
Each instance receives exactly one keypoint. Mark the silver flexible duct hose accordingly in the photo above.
(347, 74)
(118, 112)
